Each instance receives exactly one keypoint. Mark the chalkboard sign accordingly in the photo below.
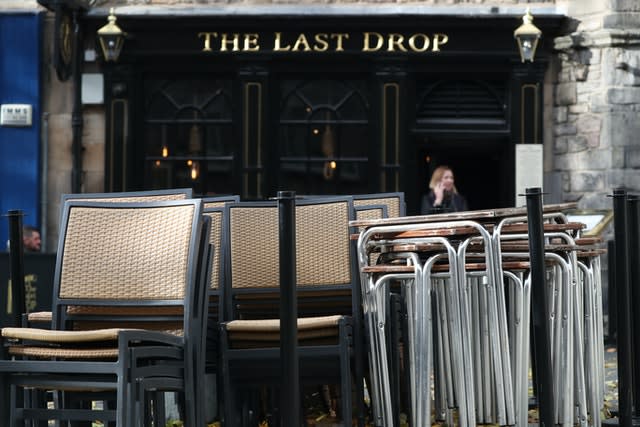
(596, 220)
(38, 283)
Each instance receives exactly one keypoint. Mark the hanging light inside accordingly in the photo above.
(195, 139)
(527, 35)
(111, 38)
(328, 147)
(195, 170)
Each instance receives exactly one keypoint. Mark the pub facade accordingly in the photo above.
(340, 98)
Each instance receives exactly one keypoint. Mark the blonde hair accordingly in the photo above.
(437, 175)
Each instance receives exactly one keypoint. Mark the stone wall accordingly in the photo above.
(103, 3)
(57, 103)
(595, 143)
(57, 106)
(8, 5)
(596, 112)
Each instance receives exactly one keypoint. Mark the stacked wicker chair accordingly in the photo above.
(128, 310)
(219, 201)
(328, 302)
(394, 202)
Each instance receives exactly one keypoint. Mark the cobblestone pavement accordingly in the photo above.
(611, 381)
(610, 407)
(319, 416)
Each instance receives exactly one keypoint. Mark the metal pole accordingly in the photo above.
(77, 120)
(16, 273)
(633, 205)
(44, 181)
(290, 391)
(539, 309)
(623, 341)
(612, 330)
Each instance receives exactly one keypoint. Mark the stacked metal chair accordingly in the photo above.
(475, 273)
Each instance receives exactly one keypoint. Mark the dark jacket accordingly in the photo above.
(453, 202)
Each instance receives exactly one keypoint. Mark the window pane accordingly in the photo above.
(324, 177)
(189, 135)
(324, 137)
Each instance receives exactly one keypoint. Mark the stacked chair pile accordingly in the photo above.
(465, 284)
(154, 291)
(331, 345)
(127, 317)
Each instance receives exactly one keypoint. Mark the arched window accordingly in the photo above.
(188, 135)
(323, 136)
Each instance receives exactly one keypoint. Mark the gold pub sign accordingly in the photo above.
(368, 41)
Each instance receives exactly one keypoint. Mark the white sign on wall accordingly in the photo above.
(92, 88)
(16, 115)
(529, 169)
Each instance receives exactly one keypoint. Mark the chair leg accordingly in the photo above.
(229, 419)
(13, 402)
(243, 407)
(56, 400)
(395, 319)
(345, 389)
(251, 403)
(210, 398)
(359, 357)
(41, 399)
(159, 409)
(191, 407)
(4, 399)
(345, 377)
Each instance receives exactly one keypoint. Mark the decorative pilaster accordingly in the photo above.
(253, 88)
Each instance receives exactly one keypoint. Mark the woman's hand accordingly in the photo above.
(439, 193)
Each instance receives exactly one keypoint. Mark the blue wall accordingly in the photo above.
(20, 51)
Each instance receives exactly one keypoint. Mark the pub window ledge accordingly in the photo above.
(466, 122)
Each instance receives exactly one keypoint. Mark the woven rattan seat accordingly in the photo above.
(273, 325)
(65, 353)
(274, 337)
(56, 336)
(40, 317)
(243, 333)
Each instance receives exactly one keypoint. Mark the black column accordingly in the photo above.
(77, 120)
(256, 151)
(539, 309)
(633, 211)
(16, 272)
(623, 341)
(290, 393)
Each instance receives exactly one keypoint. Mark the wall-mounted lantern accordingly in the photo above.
(527, 35)
(111, 38)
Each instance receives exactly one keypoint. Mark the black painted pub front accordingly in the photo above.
(321, 103)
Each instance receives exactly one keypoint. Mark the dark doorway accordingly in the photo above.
(482, 168)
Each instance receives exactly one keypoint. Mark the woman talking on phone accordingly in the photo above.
(443, 196)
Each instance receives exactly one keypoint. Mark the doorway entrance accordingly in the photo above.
(483, 168)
